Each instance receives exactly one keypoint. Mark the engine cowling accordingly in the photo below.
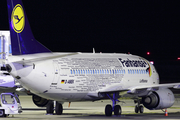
(39, 101)
(160, 99)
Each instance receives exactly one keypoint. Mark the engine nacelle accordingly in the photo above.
(160, 99)
(39, 101)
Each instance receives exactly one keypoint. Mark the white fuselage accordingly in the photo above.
(81, 76)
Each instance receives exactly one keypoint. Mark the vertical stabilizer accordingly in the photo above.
(22, 39)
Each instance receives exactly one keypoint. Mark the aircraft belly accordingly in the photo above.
(64, 96)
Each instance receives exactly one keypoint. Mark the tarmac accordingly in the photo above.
(92, 110)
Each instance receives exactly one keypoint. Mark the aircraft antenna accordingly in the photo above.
(94, 51)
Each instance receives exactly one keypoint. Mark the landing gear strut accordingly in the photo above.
(116, 108)
(58, 108)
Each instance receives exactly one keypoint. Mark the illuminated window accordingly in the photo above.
(147, 71)
(107, 71)
(71, 71)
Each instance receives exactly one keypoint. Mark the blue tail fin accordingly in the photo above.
(22, 39)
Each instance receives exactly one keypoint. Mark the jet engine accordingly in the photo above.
(160, 99)
(39, 101)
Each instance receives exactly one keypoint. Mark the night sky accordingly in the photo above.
(134, 26)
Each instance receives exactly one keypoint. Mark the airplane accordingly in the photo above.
(70, 77)
(6, 80)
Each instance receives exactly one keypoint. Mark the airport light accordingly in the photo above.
(148, 53)
(152, 62)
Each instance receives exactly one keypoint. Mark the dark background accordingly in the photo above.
(134, 26)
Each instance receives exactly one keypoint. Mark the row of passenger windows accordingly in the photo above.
(109, 71)
(95, 71)
(138, 71)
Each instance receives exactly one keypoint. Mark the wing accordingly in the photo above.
(132, 90)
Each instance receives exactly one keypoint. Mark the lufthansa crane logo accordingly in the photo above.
(18, 19)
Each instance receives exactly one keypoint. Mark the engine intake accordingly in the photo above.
(39, 101)
(160, 99)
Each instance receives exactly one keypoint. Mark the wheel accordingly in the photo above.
(108, 110)
(136, 109)
(50, 108)
(59, 108)
(2, 114)
(141, 109)
(117, 110)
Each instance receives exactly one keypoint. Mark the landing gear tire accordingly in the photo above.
(50, 108)
(2, 114)
(117, 110)
(136, 109)
(59, 108)
(108, 110)
(141, 109)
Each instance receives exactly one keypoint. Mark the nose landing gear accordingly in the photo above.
(58, 108)
(138, 107)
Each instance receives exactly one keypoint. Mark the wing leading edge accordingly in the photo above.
(132, 90)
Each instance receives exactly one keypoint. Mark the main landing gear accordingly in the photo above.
(138, 107)
(58, 108)
(114, 108)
